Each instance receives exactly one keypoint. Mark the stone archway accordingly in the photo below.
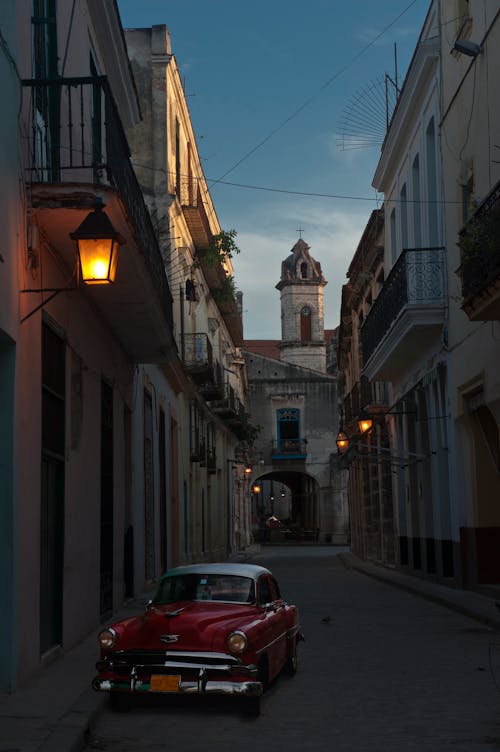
(293, 498)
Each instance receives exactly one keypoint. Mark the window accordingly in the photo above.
(303, 270)
(305, 324)
(404, 217)
(288, 428)
(417, 219)
(264, 592)
(430, 144)
(393, 237)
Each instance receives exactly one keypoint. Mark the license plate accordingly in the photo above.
(161, 683)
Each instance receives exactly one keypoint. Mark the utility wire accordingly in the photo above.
(310, 99)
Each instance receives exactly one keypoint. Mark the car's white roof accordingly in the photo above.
(240, 570)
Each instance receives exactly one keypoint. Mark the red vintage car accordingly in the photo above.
(210, 629)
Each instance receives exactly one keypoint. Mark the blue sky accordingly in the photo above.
(286, 73)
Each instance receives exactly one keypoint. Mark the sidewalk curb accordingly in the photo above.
(440, 594)
(74, 729)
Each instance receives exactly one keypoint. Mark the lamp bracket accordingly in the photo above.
(54, 290)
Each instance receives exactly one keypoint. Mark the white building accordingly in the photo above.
(431, 328)
(470, 142)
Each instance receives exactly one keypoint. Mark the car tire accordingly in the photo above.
(251, 706)
(120, 702)
(291, 664)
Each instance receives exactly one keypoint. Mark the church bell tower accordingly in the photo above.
(302, 314)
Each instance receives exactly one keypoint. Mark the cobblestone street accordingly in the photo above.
(381, 670)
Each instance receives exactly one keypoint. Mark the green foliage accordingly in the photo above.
(226, 294)
(251, 430)
(481, 235)
(222, 248)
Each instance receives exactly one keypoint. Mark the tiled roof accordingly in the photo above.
(269, 348)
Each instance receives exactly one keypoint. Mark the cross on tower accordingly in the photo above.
(300, 231)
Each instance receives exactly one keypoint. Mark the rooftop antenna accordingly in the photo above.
(367, 116)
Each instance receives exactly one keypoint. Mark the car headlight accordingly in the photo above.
(237, 642)
(107, 638)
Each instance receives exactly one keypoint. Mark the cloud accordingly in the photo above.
(333, 236)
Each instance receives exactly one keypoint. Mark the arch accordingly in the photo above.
(300, 504)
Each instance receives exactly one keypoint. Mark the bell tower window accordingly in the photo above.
(303, 270)
(305, 324)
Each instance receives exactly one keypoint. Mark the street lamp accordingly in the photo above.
(365, 422)
(97, 244)
(342, 442)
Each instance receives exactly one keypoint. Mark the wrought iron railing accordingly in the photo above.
(289, 448)
(197, 351)
(479, 241)
(373, 392)
(76, 136)
(416, 280)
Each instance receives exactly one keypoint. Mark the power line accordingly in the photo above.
(312, 194)
(310, 99)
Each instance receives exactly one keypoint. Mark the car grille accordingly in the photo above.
(123, 661)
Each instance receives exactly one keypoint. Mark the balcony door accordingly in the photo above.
(288, 429)
(46, 104)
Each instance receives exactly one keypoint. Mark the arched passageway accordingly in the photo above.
(285, 506)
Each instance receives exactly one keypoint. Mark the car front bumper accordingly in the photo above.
(185, 672)
(186, 687)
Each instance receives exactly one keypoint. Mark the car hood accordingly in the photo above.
(184, 626)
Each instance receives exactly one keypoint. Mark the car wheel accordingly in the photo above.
(264, 673)
(251, 706)
(291, 664)
(120, 702)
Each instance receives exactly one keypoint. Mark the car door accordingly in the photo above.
(270, 601)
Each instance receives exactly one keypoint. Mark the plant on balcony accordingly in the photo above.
(480, 238)
(225, 296)
(222, 247)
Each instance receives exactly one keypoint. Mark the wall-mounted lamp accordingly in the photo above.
(97, 244)
(466, 47)
(256, 488)
(365, 422)
(342, 442)
(365, 425)
(248, 470)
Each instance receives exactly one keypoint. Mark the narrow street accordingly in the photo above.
(381, 670)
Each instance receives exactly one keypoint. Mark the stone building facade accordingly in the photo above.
(294, 400)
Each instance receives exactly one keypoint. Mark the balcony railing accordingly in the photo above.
(415, 283)
(289, 449)
(195, 214)
(479, 242)
(76, 136)
(197, 355)
(365, 394)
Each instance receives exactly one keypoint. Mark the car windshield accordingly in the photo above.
(206, 587)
